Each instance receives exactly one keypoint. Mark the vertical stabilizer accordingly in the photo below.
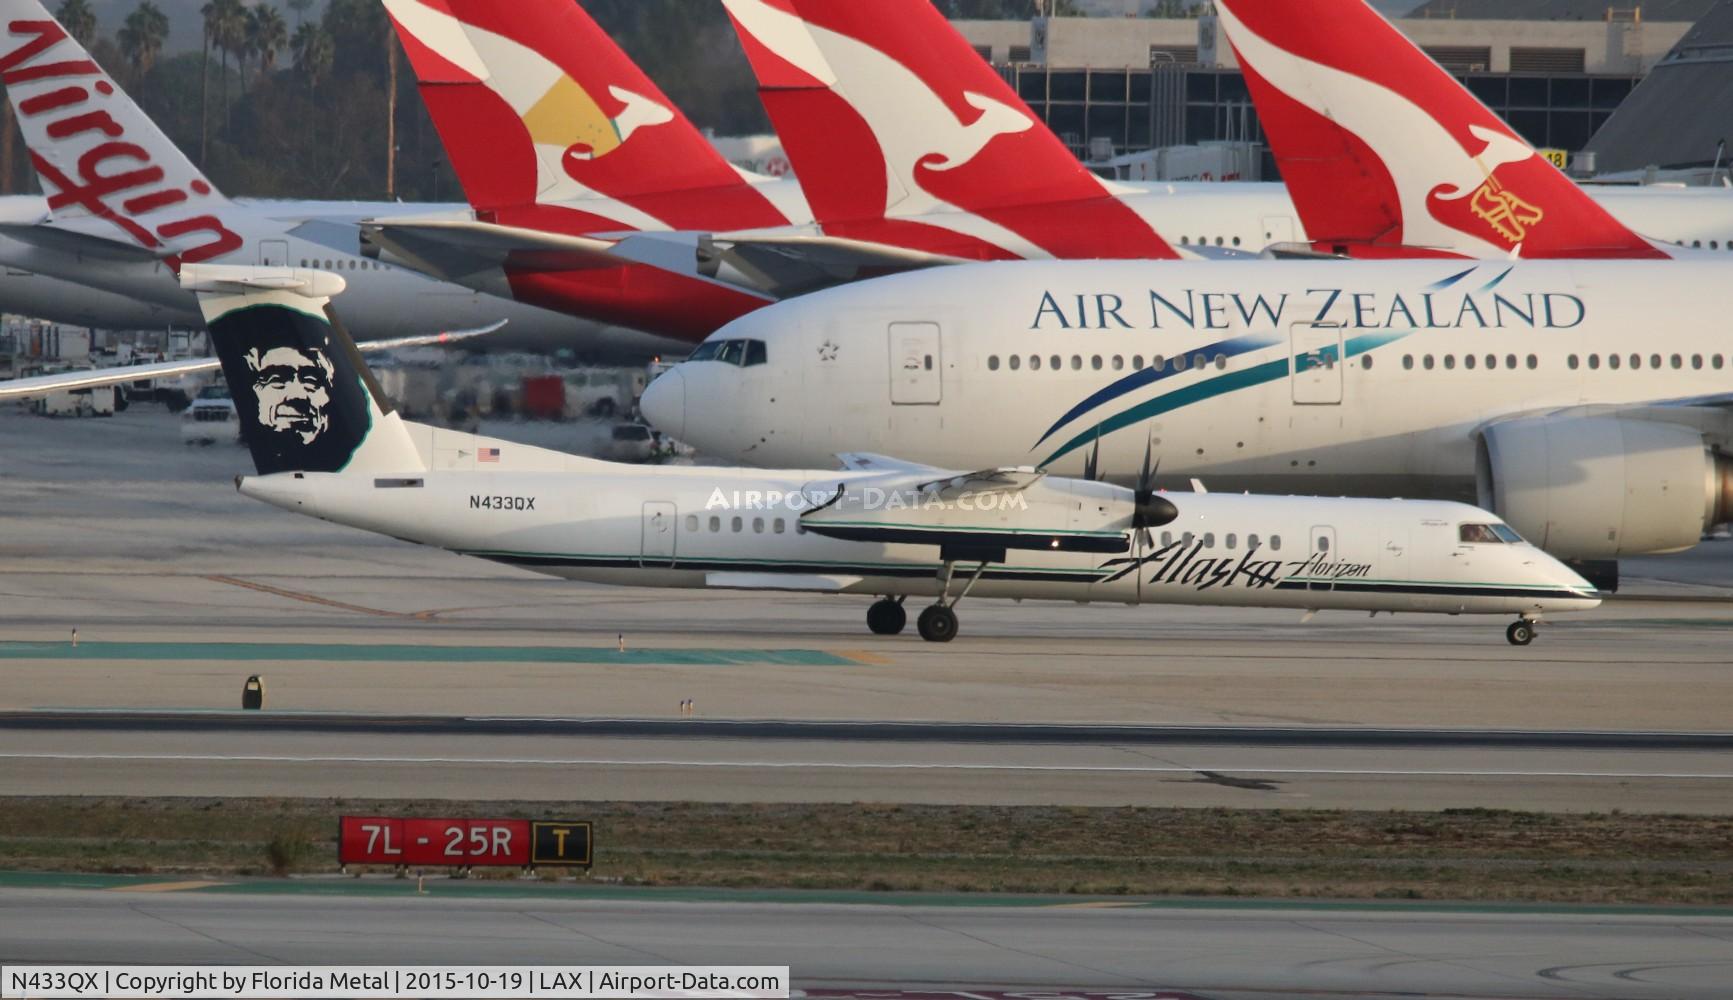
(536, 105)
(106, 168)
(1382, 148)
(888, 114)
(305, 399)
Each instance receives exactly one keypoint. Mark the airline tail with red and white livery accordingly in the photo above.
(902, 135)
(115, 183)
(1386, 154)
(549, 125)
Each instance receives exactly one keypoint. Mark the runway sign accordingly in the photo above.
(462, 843)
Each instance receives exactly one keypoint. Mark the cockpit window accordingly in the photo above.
(1505, 532)
(744, 353)
(1481, 534)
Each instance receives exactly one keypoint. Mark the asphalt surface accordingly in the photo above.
(1233, 952)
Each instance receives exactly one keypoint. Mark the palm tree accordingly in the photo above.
(266, 35)
(142, 37)
(300, 7)
(226, 22)
(78, 20)
(313, 53)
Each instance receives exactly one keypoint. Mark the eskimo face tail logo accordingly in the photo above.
(300, 408)
(82, 153)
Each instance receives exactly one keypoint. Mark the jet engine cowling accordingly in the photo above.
(1602, 487)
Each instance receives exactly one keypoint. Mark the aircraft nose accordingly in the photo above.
(664, 404)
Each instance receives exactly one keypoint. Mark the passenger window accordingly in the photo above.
(1077, 363)
(1199, 362)
(1426, 362)
(1275, 543)
(1571, 362)
(1166, 538)
(1236, 241)
(758, 525)
(1678, 362)
(1594, 362)
(1157, 362)
(1366, 361)
(1715, 362)
(1636, 362)
(1449, 362)
(1188, 537)
(1510, 361)
(1034, 362)
(715, 524)
(1095, 362)
(1209, 539)
(1613, 362)
(1221, 362)
(1057, 361)
(1016, 361)
(1533, 362)
(1137, 361)
(1492, 361)
(1478, 534)
(1407, 362)
(993, 363)
(1323, 544)
(1654, 361)
(1468, 361)
(691, 522)
(738, 524)
(779, 525)
(1251, 541)
(1118, 363)
(1232, 541)
(1696, 361)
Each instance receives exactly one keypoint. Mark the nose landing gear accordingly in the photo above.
(1521, 632)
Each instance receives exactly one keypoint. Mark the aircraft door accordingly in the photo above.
(660, 522)
(916, 369)
(274, 253)
(1321, 553)
(1278, 229)
(1316, 364)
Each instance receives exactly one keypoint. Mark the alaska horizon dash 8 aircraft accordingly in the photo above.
(327, 444)
(124, 207)
(1588, 403)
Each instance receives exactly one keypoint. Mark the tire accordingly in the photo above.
(938, 624)
(887, 617)
(1520, 633)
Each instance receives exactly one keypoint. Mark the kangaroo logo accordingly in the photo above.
(568, 118)
(1504, 211)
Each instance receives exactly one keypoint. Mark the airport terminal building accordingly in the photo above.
(1556, 70)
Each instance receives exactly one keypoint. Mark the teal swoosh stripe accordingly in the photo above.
(1221, 385)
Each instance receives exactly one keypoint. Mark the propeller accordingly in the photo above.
(1149, 509)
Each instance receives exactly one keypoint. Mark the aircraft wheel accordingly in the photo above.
(938, 624)
(887, 617)
(1520, 633)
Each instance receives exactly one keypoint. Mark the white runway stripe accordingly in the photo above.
(847, 766)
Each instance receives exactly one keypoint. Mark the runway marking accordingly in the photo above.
(166, 886)
(847, 766)
(296, 595)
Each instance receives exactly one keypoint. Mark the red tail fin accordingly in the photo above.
(537, 105)
(888, 114)
(1379, 145)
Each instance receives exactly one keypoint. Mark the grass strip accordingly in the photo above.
(1470, 855)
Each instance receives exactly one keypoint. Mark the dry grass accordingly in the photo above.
(1455, 854)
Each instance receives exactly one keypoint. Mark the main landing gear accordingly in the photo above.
(887, 617)
(937, 623)
(1521, 632)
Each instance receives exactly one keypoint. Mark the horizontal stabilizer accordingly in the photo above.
(73, 239)
(456, 248)
(39, 385)
(788, 264)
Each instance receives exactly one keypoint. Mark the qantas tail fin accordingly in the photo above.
(1380, 146)
(537, 105)
(305, 399)
(106, 168)
(886, 112)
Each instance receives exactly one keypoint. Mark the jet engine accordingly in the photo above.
(1602, 487)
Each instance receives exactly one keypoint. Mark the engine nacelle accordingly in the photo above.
(1602, 487)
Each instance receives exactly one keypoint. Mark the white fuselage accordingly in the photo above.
(384, 300)
(1333, 376)
(704, 527)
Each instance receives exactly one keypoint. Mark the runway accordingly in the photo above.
(325, 754)
(1128, 949)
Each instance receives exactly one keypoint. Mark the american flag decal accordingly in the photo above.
(487, 455)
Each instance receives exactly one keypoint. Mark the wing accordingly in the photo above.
(795, 262)
(455, 248)
(89, 379)
(866, 461)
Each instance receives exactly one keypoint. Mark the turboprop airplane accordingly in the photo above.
(124, 207)
(326, 443)
(1587, 401)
